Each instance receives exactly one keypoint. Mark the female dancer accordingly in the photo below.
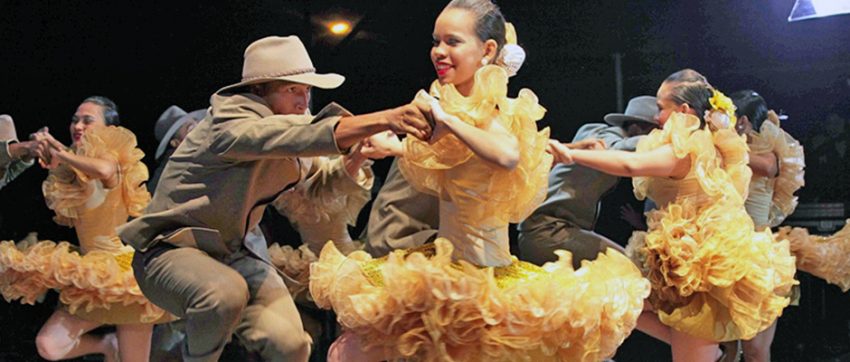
(321, 209)
(465, 297)
(93, 186)
(713, 277)
(777, 162)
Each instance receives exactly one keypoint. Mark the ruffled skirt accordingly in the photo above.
(712, 276)
(295, 263)
(98, 286)
(421, 305)
(826, 257)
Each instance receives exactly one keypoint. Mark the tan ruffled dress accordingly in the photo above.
(772, 199)
(94, 281)
(320, 208)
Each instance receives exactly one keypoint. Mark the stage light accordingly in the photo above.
(810, 9)
(339, 27)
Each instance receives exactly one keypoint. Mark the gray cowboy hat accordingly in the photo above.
(169, 123)
(639, 109)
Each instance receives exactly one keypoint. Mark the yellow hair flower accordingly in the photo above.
(720, 102)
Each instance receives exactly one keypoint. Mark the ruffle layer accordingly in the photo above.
(712, 275)
(98, 285)
(295, 263)
(431, 309)
(508, 195)
(67, 190)
(826, 257)
(789, 153)
(726, 176)
(338, 198)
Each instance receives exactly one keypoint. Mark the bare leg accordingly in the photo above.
(692, 349)
(649, 323)
(348, 348)
(134, 342)
(65, 336)
(758, 348)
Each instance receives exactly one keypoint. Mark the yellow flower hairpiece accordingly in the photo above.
(721, 103)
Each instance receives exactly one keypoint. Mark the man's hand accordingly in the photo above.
(587, 144)
(409, 119)
(381, 145)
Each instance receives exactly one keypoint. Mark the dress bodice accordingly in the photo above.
(478, 200)
(96, 226)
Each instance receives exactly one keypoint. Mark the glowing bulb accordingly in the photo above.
(340, 27)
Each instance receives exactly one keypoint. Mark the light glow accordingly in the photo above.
(339, 27)
(810, 9)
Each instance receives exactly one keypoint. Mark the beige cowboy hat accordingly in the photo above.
(169, 123)
(282, 58)
(639, 109)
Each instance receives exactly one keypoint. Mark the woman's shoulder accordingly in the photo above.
(681, 131)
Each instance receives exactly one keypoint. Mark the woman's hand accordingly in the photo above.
(49, 150)
(587, 144)
(560, 152)
(58, 151)
(381, 145)
(440, 118)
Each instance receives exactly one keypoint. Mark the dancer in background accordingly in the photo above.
(170, 130)
(566, 218)
(777, 162)
(93, 186)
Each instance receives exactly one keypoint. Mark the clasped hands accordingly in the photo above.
(423, 118)
(45, 148)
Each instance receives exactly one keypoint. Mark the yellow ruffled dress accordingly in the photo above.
(465, 298)
(95, 282)
(713, 276)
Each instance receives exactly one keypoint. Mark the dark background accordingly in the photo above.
(149, 55)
